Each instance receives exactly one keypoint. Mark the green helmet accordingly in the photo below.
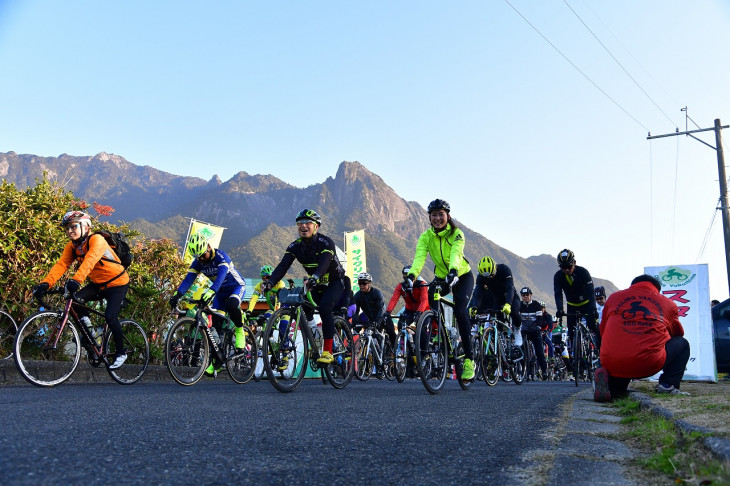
(487, 267)
(197, 244)
(266, 271)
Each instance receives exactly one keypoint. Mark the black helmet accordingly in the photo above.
(439, 204)
(525, 291)
(406, 270)
(309, 215)
(566, 258)
(600, 291)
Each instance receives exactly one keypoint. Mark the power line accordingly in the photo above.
(619, 64)
(576, 67)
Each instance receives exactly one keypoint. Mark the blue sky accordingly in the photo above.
(536, 146)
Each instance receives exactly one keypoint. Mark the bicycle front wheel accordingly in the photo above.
(45, 353)
(363, 359)
(577, 355)
(186, 351)
(8, 329)
(137, 349)
(431, 352)
(388, 361)
(241, 366)
(285, 350)
(400, 358)
(489, 354)
(340, 371)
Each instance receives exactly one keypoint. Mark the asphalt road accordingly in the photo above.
(218, 432)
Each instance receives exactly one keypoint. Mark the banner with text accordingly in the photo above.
(355, 251)
(688, 286)
(213, 232)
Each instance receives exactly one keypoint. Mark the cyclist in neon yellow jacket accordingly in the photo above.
(444, 242)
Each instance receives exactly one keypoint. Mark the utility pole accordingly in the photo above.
(723, 179)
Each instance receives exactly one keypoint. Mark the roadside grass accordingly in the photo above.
(680, 456)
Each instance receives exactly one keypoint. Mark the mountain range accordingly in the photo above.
(258, 212)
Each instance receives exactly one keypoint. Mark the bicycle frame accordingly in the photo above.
(96, 352)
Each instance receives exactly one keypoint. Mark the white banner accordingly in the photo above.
(355, 251)
(688, 286)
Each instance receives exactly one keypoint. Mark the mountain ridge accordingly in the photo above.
(258, 212)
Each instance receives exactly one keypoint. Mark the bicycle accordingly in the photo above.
(436, 345)
(258, 333)
(290, 345)
(373, 348)
(404, 354)
(499, 356)
(584, 351)
(8, 330)
(193, 342)
(48, 344)
(531, 366)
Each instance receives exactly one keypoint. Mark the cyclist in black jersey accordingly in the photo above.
(577, 284)
(495, 290)
(370, 303)
(317, 254)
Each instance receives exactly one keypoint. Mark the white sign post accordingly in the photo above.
(688, 286)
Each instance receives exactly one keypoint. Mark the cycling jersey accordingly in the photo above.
(219, 269)
(271, 296)
(370, 303)
(89, 253)
(316, 254)
(415, 301)
(530, 312)
(446, 249)
(578, 289)
(492, 293)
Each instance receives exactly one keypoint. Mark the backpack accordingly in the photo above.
(119, 245)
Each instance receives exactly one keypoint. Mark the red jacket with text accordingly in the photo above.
(636, 324)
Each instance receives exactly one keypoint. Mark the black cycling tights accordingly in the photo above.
(462, 293)
(114, 297)
(326, 297)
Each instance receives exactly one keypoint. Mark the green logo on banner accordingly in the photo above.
(355, 240)
(674, 276)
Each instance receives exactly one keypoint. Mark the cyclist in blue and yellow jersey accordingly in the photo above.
(96, 260)
(317, 254)
(495, 289)
(444, 242)
(227, 289)
(577, 284)
(271, 296)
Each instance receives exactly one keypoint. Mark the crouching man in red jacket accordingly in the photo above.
(640, 335)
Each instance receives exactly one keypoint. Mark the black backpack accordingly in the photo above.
(119, 245)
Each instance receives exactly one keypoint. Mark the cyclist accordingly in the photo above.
(226, 291)
(271, 296)
(530, 312)
(444, 241)
(415, 300)
(96, 260)
(495, 289)
(317, 254)
(577, 285)
(600, 301)
(546, 323)
(370, 301)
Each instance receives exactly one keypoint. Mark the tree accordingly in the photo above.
(33, 240)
